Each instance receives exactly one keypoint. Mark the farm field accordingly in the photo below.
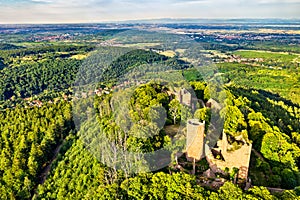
(269, 56)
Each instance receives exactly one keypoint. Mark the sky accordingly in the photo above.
(77, 11)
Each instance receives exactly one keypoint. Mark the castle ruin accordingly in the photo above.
(194, 142)
(220, 157)
(237, 158)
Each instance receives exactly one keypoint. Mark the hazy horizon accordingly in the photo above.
(174, 20)
(97, 11)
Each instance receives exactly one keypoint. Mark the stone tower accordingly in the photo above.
(195, 138)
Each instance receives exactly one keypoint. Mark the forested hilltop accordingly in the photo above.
(44, 154)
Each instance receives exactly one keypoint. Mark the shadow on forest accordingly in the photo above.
(278, 116)
(2, 65)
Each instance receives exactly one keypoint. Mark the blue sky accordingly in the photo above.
(54, 11)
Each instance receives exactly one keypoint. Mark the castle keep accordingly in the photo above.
(195, 137)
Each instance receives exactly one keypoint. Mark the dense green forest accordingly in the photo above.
(37, 77)
(6, 46)
(57, 72)
(273, 126)
(135, 58)
(244, 116)
(46, 68)
(78, 175)
(277, 81)
(44, 154)
(13, 56)
(28, 139)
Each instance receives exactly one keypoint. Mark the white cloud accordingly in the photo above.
(104, 10)
(191, 2)
(42, 1)
(278, 1)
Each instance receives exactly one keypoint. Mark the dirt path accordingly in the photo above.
(258, 155)
(43, 176)
(47, 169)
(275, 190)
(261, 157)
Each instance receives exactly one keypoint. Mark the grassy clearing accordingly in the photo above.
(30, 44)
(168, 53)
(180, 50)
(171, 130)
(141, 45)
(267, 55)
(192, 75)
(79, 56)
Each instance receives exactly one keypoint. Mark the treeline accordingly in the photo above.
(47, 68)
(53, 72)
(6, 55)
(220, 47)
(263, 78)
(28, 139)
(27, 80)
(33, 55)
(136, 58)
(283, 43)
(129, 60)
(112, 64)
(5, 46)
